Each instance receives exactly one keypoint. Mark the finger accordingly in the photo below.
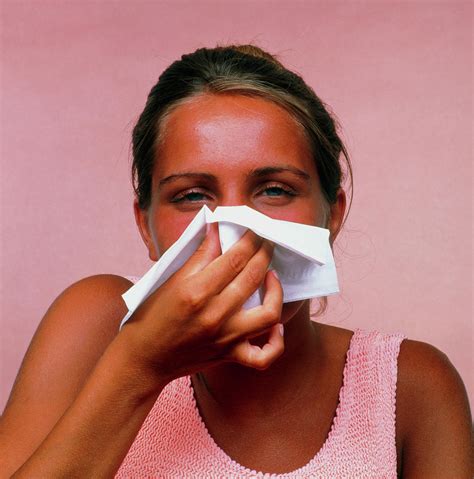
(259, 357)
(208, 251)
(222, 270)
(255, 321)
(234, 295)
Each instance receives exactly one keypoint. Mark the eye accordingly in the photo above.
(274, 191)
(277, 190)
(191, 196)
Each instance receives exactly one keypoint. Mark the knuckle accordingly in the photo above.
(193, 299)
(253, 276)
(210, 324)
(237, 261)
(261, 363)
(234, 290)
(271, 315)
(200, 250)
(247, 358)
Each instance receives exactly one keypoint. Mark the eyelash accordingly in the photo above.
(181, 197)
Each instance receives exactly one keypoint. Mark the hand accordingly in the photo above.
(194, 320)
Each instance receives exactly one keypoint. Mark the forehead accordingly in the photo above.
(231, 133)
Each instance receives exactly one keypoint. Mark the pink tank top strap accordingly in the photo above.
(372, 365)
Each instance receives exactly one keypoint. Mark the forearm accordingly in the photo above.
(94, 434)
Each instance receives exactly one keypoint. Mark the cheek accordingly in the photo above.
(168, 227)
(305, 212)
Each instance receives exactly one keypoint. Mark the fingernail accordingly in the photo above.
(282, 329)
(275, 274)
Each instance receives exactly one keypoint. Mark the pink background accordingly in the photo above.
(75, 76)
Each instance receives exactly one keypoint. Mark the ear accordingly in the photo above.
(336, 215)
(141, 218)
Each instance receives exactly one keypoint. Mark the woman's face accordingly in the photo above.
(227, 150)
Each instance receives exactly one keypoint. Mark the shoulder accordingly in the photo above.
(69, 340)
(87, 312)
(96, 286)
(77, 327)
(425, 370)
(433, 414)
(73, 334)
(89, 305)
(99, 294)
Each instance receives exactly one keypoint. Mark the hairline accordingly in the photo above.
(237, 89)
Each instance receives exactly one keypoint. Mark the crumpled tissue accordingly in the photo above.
(302, 255)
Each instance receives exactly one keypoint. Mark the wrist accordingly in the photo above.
(142, 380)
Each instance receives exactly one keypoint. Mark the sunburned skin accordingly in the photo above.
(226, 150)
(269, 410)
(218, 150)
(229, 137)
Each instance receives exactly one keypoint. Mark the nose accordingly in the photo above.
(233, 196)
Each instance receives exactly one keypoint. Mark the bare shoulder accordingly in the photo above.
(93, 290)
(75, 329)
(85, 315)
(433, 414)
(93, 301)
(73, 334)
(423, 370)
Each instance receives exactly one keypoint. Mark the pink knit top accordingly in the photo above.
(175, 443)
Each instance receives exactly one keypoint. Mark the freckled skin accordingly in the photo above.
(228, 136)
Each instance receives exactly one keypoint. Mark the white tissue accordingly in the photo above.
(302, 256)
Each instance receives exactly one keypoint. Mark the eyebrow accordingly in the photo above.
(268, 170)
(256, 173)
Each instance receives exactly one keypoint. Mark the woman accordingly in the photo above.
(270, 391)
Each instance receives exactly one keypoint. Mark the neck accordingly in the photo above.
(239, 390)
